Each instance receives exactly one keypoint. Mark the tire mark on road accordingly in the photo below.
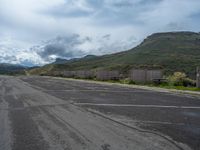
(24, 132)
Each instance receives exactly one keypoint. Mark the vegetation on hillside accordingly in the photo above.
(173, 51)
(10, 69)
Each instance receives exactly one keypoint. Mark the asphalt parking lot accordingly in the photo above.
(40, 113)
(174, 115)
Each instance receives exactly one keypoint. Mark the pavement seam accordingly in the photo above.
(134, 128)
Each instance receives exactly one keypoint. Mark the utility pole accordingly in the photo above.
(198, 77)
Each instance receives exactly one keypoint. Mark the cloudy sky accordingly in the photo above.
(35, 32)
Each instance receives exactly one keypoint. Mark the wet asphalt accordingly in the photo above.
(180, 124)
(43, 113)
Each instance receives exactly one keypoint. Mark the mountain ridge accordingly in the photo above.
(6, 68)
(170, 51)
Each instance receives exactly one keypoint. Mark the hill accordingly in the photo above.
(11, 69)
(171, 51)
(60, 61)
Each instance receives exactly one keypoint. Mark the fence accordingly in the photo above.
(84, 74)
(107, 75)
(141, 75)
(138, 75)
(68, 74)
(77, 74)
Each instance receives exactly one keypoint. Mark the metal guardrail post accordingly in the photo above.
(198, 78)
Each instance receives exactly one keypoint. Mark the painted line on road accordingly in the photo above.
(144, 106)
(92, 90)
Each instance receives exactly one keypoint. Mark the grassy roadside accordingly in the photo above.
(150, 85)
(179, 88)
(164, 86)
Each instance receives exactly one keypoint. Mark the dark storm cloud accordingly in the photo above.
(65, 47)
(6, 57)
(123, 12)
(107, 36)
(70, 9)
(62, 12)
(147, 2)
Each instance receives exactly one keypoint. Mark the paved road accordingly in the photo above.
(38, 113)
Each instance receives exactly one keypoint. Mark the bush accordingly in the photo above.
(189, 82)
(180, 79)
(127, 81)
(131, 82)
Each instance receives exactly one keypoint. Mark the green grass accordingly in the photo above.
(179, 88)
(153, 85)
(129, 82)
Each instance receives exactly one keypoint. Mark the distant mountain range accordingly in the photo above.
(171, 51)
(60, 61)
(6, 68)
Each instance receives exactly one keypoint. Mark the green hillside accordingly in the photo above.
(172, 51)
(10, 69)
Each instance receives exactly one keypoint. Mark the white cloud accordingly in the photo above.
(25, 23)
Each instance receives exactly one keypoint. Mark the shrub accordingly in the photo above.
(127, 81)
(180, 79)
(189, 82)
(131, 82)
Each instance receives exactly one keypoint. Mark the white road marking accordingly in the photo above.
(88, 90)
(144, 106)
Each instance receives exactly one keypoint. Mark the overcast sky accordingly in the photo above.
(35, 32)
